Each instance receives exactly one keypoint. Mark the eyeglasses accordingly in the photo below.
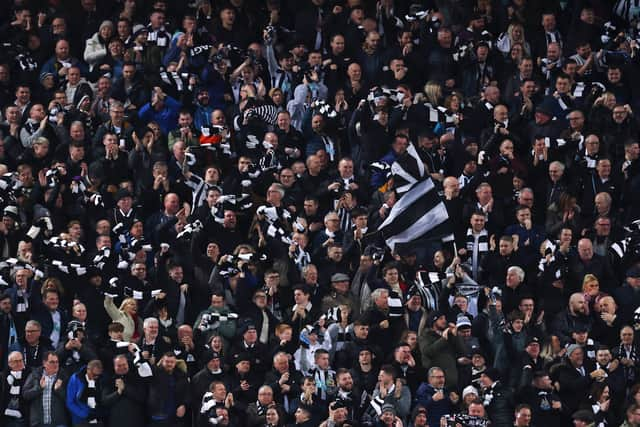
(32, 331)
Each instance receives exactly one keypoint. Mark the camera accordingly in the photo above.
(375, 252)
(74, 328)
(339, 404)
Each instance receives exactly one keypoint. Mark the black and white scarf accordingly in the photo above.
(377, 402)
(629, 372)
(176, 82)
(396, 308)
(15, 380)
(475, 376)
(325, 380)
(22, 301)
(261, 409)
(90, 397)
(301, 258)
(488, 394)
(483, 241)
(474, 258)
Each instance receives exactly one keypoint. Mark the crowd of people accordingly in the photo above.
(192, 192)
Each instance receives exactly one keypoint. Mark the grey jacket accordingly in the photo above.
(33, 394)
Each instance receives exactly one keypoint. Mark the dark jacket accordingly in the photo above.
(160, 393)
(295, 383)
(435, 409)
(500, 408)
(43, 316)
(565, 323)
(33, 394)
(441, 352)
(126, 409)
(6, 397)
(574, 388)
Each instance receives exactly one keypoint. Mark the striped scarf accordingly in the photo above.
(629, 372)
(345, 219)
(90, 396)
(396, 308)
(477, 247)
(22, 301)
(14, 379)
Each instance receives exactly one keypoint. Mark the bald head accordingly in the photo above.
(585, 249)
(577, 303)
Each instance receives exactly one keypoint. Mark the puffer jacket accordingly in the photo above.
(95, 50)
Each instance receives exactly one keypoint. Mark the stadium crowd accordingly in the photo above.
(193, 193)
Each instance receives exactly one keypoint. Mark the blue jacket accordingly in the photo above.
(52, 66)
(202, 116)
(435, 410)
(75, 400)
(167, 118)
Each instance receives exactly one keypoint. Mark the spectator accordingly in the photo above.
(116, 208)
(434, 397)
(45, 392)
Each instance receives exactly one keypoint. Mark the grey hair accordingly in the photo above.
(519, 272)
(378, 293)
(279, 188)
(306, 268)
(148, 321)
(328, 214)
(280, 354)
(34, 323)
(558, 164)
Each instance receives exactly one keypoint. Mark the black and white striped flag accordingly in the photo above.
(420, 213)
(407, 170)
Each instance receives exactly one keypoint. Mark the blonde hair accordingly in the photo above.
(127, 301)
(589, 278)
(281, 328)
(433, 91)
(510, 31)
